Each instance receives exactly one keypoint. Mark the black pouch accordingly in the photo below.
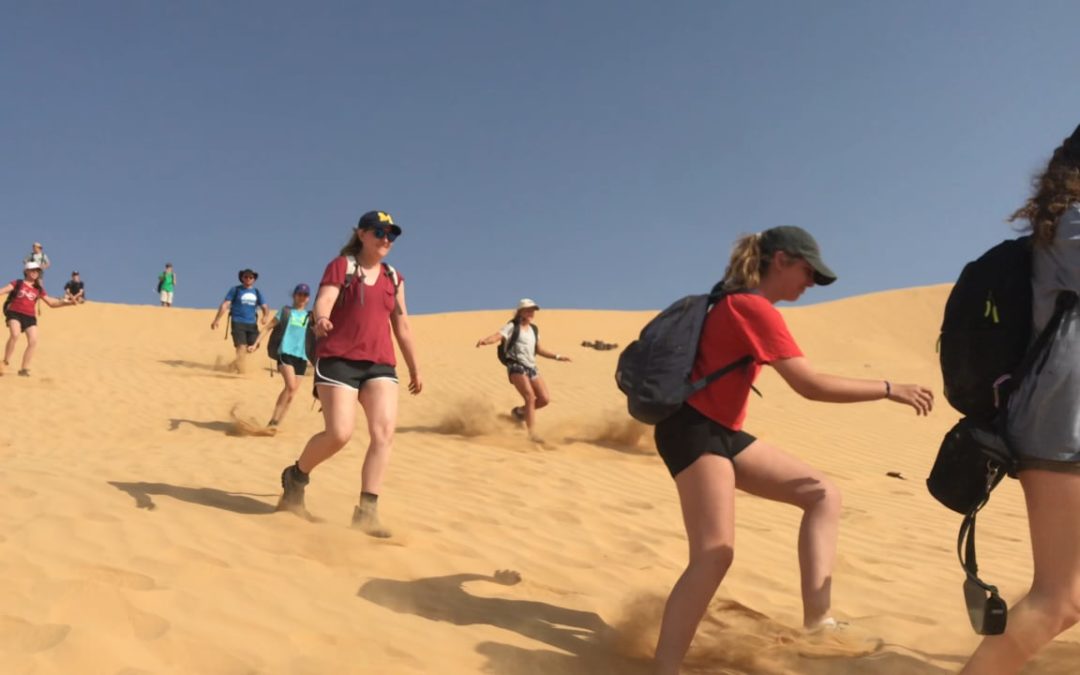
(987, 612)
(972, 460)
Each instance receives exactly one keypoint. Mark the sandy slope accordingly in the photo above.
(138, 532)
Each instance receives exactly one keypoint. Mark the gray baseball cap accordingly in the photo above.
(798, 242)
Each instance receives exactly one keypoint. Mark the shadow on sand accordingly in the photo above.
(227, 428)
(237, 502)
(582, 635)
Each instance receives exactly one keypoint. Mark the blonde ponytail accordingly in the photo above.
(746, 266)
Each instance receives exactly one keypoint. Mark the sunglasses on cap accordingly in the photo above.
(386, 233)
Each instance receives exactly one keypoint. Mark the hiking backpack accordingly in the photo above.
(503, 350)
(654, 370)
(273, 343)
(986, 349)
(16, 286)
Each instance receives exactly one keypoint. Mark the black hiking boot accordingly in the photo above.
(293, 482)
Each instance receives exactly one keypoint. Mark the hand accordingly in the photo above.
(416, 383)
(479, 343)
(560, 357)
(917, 396)
(323, 326)
(214, 325)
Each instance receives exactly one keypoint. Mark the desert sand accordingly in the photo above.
(138, 531)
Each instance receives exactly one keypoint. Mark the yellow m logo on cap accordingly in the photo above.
(385, 218)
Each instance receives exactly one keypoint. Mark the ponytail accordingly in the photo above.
(354, 246)
(746, 266)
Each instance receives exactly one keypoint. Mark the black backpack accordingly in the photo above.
(16, 286)
(986, 349)
(654, 370)
(503, 350)
(273, 343)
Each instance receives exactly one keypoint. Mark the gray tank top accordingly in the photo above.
(1044, 412)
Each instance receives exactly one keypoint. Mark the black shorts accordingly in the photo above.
(687, 435)
(24, 320)
(244, 334)
(515, 368)
(351, 374)
(298, 364)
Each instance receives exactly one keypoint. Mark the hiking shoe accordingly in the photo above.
(24, 372)
(366, 519)
(518, 413)
(293, 482)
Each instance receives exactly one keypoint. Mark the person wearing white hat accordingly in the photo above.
(519, 345)
(20, 313)
(37, 255)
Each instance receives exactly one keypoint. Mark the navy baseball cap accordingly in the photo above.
(302, 289)
(378, 219)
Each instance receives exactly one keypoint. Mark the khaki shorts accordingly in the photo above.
(166, 296)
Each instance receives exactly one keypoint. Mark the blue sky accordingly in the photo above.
(585, 154)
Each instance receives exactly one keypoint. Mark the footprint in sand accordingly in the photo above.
(19, 635)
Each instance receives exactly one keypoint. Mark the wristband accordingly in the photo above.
(888, 389)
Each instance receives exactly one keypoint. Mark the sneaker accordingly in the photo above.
(24, 372)
(366, 519)
(293, 482)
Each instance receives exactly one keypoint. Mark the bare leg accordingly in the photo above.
(31, 346)
(292, 383)
(1053, 603)
(543, 398)
(768, 472)
(339, 415)
(9, 349)
(707, 495)
(379, 399)
(524, 386)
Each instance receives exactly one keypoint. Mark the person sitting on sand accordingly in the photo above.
(243, 303)
(709, 455)
(521, 342)
(292, 354)
(166, 285)
(20, 313)
(75, 290)
(360, 301)
(1043, 428)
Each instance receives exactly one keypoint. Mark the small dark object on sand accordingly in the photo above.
(895, 474)
(599, 345)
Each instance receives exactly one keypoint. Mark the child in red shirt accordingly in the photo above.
(709, 455)
(20, 313)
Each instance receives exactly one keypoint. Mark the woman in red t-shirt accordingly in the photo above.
(20, 313)
(360, 300)
(710, 456)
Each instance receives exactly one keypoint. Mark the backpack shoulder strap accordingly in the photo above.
(392, 274)
(285, 312)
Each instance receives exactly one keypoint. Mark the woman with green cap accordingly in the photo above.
(709, 455)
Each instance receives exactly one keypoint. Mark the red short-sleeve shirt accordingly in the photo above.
(738, 325)
(24, 300)
(361, 317)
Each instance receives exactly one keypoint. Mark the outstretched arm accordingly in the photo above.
(490, 340)
(56, 303)
(810, 384)
(550, 355)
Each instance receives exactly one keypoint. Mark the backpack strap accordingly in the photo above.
(392, 274)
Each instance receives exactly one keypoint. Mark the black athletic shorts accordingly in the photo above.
(24, 320)
(687, 435)
(298, 364)
(244, 334)
(351, 374)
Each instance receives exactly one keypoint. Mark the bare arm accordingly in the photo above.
(56, 303)
(399, 321)
(490, 340)
(7, 289)
(550, 355)
(810, 384)
(265, 314)
(324, 303)
(220, 312)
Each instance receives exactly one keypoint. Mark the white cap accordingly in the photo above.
(31, 266)
(526, 303)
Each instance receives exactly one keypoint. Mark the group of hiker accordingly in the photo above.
(360, 310)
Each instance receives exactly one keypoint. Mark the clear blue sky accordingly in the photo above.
(586, 154)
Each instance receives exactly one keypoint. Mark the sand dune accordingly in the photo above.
(139, 536)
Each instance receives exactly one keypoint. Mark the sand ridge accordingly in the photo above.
(139, 535)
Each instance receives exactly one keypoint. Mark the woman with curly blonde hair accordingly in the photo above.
(1043, 427)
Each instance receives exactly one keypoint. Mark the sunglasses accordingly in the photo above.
(381, 232)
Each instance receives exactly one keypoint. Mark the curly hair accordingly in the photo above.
(1056, 189)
